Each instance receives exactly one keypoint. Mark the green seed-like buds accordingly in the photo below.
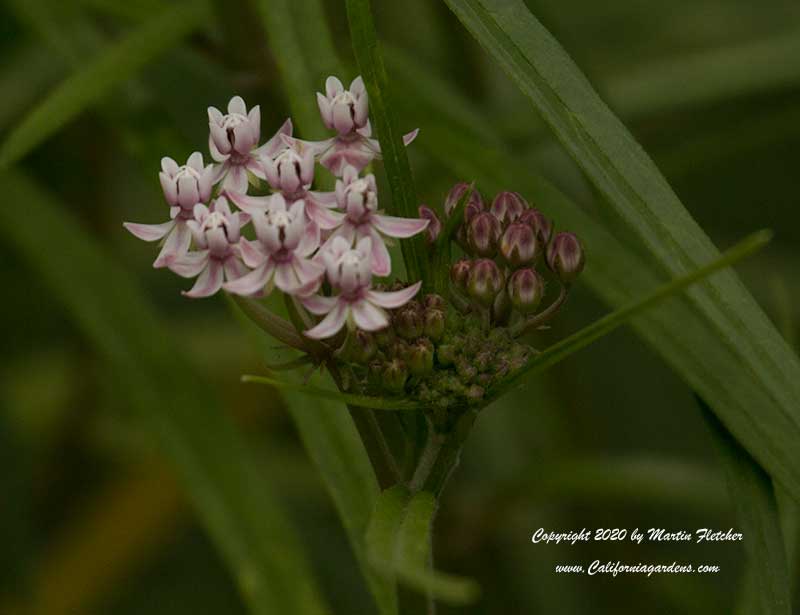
(434, 323)
(407, 321)
(434, 301)
(359, 347)
(565, 257)
(446, 354)
(485, 281)
(508, 206)
(525, 289)
(420, 357)
(518, 245)
(483, 233)
(395, 375)
(384, 337)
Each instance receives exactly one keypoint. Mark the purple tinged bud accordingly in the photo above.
(565, 257)
(459, 273)
(434, 225)
(408, 322)
(508, 206)
(433, 301)
(420, 357)
(518, 245)
(395, 375)
(539, 223)
(525, 289)
(483, 234)
(473, 206)
(434, 323)
(359, 347)
(485, 281)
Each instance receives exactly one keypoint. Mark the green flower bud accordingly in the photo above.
(525, 289)
(395, 375)
(420, 357)
(433, 325)
(475, 393)
(446, 354)
(459, 273)
(485, 281)
(434, 301)
(565, 257)
(384, 337)
(359, 347)
(408, 322)
(466, 370)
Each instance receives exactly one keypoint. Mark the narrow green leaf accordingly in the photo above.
(399, 545)
(218, 471)
(384, 120)
(98, 77)
(560, 351)
(753, 497)
(717, 338)
(360, 401)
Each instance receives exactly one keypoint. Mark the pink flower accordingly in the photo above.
(216, 235)
(357, 304)
(280, 256)
(186, 186)
(344, 110)
(233, 142)
(358, 197)
(356, 149)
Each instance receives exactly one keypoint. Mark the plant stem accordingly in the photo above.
(270, 322)
(449, 453)
(427, 459)
(529, 324)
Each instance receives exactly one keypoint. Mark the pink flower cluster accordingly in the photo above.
(301, 236)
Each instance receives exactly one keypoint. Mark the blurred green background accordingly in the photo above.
(92, 519)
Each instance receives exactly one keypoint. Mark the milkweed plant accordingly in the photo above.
(250, 223)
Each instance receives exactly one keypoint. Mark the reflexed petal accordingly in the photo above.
(399, 227)
(256, 167)
(253, 282)
(319, 305)
(324, 218)
(251, 252)
(286, 278)
(381, 260)
(324, 199)
(309, 241)
(190, 264)
(209, 282)
(149, 232)
(234, 268)
(250, 204)
(308, 271)
(235, 180)
(409, 137)
(367, 316)
(332, 323)
(177, 244)
(275, 143)
(393, 300)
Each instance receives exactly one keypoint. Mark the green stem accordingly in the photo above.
(427, 459)
(271, 323)
(449, 454)
(532, 322)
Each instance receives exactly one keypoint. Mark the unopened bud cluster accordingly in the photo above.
(510, 248)
(433, 353)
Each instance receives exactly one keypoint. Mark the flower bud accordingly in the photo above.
(518, 245)
(475, 393)
(501, 308)
(525, 289)
(508, 206)
(433, 301)
(473, 206)
(395, 375)
(466, 370)
(483, 234)
(359, 347)
(485, 281)
(408, 321)
(398, 349)
(446, 354)
(541, 226)
(433, 323)
(459, 273)
(375, 373)
(384, 337)
(565, 257)
(434, 224)
(420, 357)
